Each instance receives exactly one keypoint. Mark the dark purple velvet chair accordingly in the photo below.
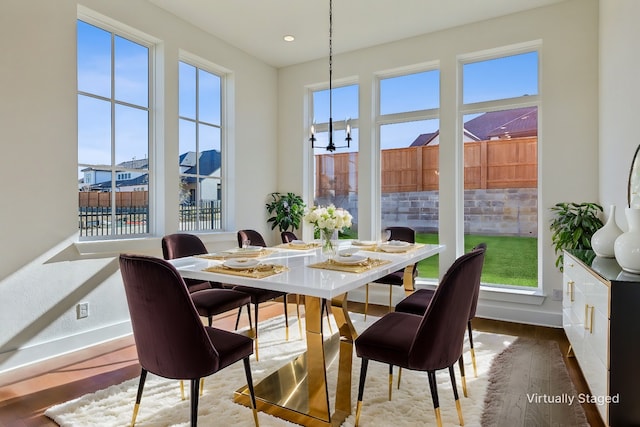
(418, 302)
(404, 234)
(288, 236)
(429, 342)
(170, 338)
(258, 296)
(209, 298)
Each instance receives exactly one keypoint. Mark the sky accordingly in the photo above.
(482, 81)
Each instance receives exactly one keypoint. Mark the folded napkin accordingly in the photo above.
(360, 267)
(258, 272)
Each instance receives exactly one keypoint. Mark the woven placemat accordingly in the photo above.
(259, 272)
(304, 247)
(360, 267)
(240, 254)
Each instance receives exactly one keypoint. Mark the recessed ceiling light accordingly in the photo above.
(289, 38)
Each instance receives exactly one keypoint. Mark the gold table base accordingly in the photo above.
(298, 391)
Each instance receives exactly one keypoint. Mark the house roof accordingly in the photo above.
(424, 139)
(210, 161)
(517, 122)
(505, 123)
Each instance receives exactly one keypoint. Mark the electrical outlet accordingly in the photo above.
(82, 310)
(557, 295)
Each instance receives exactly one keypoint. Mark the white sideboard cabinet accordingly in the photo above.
(601, 317)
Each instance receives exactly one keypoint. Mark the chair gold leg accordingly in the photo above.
(399, 376)
(366, 300)
(201, 386)
(358, 411)
(438, 417)
(182, 389)
(135, 414)
(390, 382)
(473, 361)
(464, 386)
(459, 409)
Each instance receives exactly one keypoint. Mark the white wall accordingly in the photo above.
(619, 95)
(44, 272)
(568, 123)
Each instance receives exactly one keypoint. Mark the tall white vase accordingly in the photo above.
(604, 239)
(627, 245)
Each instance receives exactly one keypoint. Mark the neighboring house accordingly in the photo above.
(135, 178)
(514, 123)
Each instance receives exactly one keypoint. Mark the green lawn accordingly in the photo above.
(508, 260)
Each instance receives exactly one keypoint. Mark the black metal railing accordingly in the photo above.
(102, 221)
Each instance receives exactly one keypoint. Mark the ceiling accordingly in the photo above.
(258, 26)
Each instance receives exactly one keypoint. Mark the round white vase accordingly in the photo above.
(603, 240)
(627, 245)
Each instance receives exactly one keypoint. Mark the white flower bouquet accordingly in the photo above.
(326, 220)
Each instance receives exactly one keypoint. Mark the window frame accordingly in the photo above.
(381, 120)
(118, 29)
(226, 135)
(500, 105)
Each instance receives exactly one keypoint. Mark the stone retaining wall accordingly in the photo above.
(510, 212)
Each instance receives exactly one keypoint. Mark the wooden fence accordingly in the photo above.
(90, 199)
(508, 163)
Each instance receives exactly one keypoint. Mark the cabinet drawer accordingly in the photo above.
(596, 374)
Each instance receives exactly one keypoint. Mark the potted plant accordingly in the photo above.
(286, 211)
(573, 226)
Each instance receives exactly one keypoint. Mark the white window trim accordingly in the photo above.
(227, 135)
(154, 120)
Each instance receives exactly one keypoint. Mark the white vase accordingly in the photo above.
(604, 239)
(627, 245)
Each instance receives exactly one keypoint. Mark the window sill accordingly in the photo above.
(146, 245)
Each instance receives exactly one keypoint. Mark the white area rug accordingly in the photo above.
(411, 405)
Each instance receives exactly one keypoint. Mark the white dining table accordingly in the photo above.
(298, 392)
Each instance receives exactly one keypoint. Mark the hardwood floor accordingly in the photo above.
(26, 393)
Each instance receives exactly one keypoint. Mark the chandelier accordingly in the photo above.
(331, 147)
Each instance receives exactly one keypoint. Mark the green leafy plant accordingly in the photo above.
(287, 211)
(573, 226)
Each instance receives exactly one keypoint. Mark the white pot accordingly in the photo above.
(604, 239)
(627, 245)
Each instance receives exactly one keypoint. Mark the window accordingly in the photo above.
(113, 133)
(336, 173)
(409, 147)
(500, 140)
(200, 148)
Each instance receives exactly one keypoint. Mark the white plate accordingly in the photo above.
(397, 243)
(241, 263)
(298, 243)
(352, 259)
(388, 247)
(364, 242)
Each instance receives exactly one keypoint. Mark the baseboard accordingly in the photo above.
(24, 356)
